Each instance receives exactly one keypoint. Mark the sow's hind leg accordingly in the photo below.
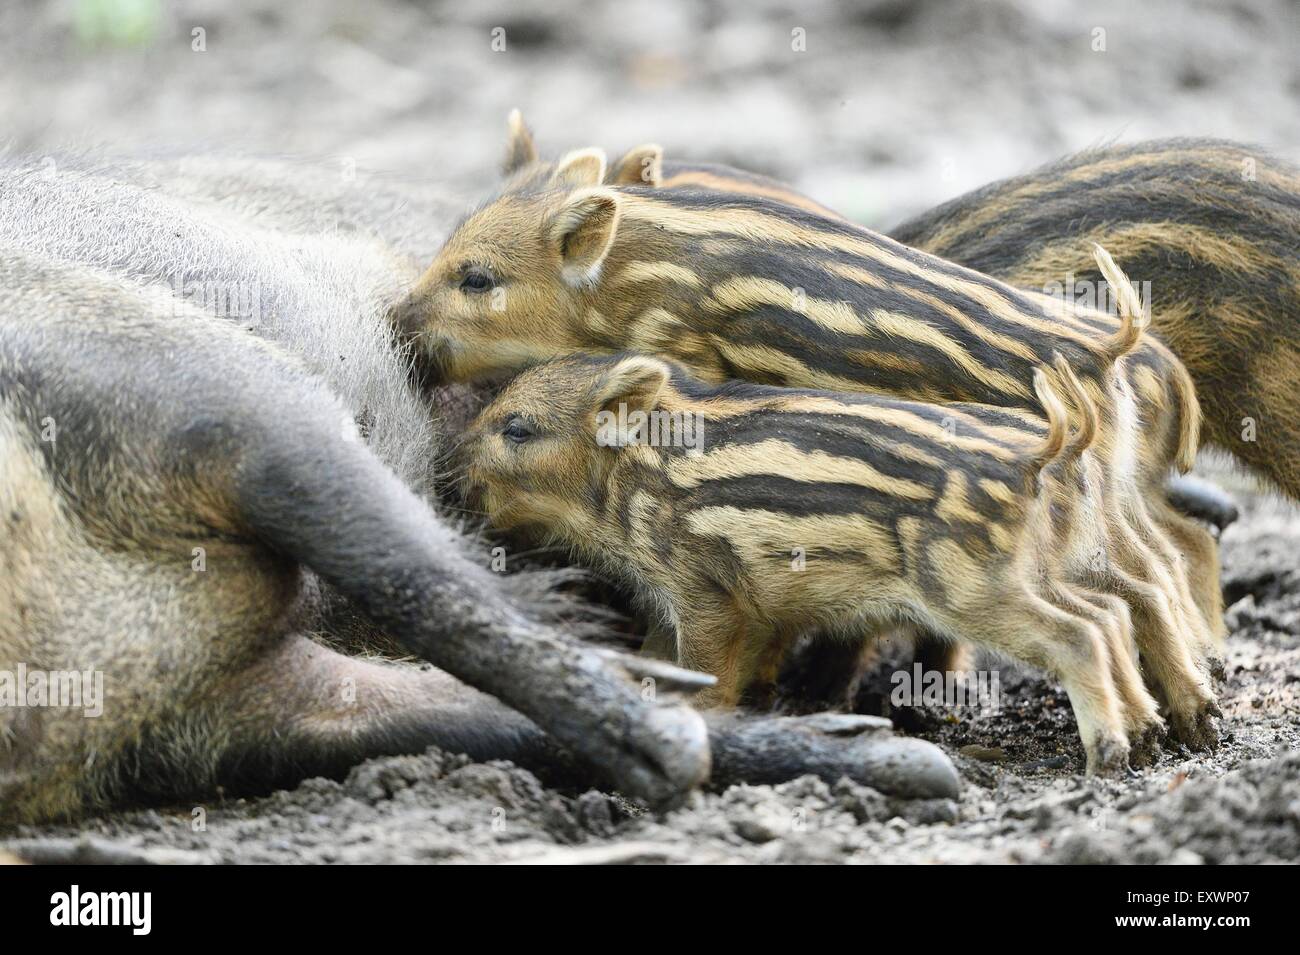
(303, 710)
(176, 428)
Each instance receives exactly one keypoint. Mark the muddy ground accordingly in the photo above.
(892, 107)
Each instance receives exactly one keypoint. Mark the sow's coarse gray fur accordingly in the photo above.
(187, 349)
(290, 252)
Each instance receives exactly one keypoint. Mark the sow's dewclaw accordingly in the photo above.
(737, 286)
(967, 530)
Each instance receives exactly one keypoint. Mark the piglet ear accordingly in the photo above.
(582, 167)
(640, 166)
(520, 148)
(636, 381)
(583, 230)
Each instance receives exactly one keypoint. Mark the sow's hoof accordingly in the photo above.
(830, 746)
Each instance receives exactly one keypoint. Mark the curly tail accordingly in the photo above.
(1132, 321)
(1132, 316)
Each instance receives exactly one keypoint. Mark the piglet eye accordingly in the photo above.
(517, 430)
(475, 281)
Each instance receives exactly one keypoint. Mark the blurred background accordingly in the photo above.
(880, 108)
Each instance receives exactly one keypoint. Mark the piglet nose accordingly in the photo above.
(410, 315)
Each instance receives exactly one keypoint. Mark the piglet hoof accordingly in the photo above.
(1198, 729)
(831, 746)
(1109, 757)
(1146, 747)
